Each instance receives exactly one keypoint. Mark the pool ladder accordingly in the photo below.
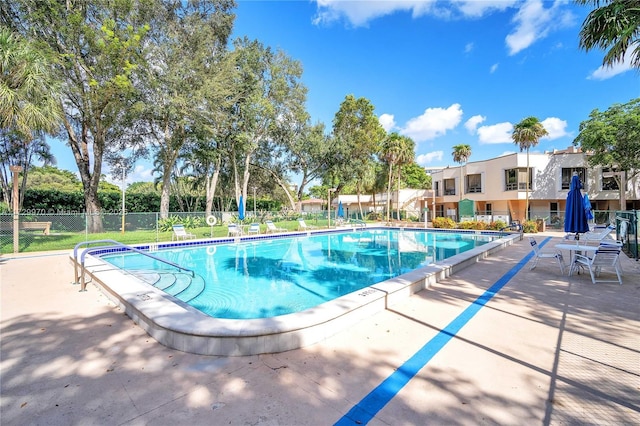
(79, 277)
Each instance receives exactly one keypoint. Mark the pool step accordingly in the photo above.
(181, 285)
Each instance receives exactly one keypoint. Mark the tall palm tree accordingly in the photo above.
(613, 25)
(461, 154)
(28, 101)
(29, 104)
(526, 134)
(396, 150)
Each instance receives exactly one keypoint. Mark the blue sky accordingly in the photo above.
(442, 73)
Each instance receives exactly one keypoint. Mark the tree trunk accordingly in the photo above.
(166, 193)
(389, 191)
(211, 185)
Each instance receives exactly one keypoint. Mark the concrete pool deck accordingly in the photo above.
(545, 349)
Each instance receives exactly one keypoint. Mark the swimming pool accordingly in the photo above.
(178, 325)
(270, 277)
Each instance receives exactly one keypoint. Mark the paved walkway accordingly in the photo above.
(544, 349)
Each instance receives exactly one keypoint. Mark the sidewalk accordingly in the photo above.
(545, 349)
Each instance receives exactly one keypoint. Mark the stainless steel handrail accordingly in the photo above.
(80, 279)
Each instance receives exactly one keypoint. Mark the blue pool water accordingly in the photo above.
(270, 277)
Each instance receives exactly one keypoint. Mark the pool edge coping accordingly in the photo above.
(179, 326)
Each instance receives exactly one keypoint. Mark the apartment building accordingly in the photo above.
(497, 188)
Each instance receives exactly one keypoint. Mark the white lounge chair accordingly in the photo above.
(271, 227)
(179, 233)
(254, 228)
(607, 255)
(541, 254)
(302, 226)
(233, 230)
(598, 235)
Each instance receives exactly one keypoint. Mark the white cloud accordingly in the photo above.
(360, 12)
(472, 124)
(493, 68)
(477, 9)
(496, 133)
(555, 127)
(534, 22)
(433, 123)
(387, 121)
(424, 159)
(604, 73)
(468, 47)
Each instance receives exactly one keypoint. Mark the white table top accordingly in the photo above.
(576, 247)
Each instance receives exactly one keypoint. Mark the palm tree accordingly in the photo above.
(28, 101)
(396, 150)
(526, 134)
(614, 26)
(29, 104)
(461, 154)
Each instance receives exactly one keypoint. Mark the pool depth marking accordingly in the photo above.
(371, 404)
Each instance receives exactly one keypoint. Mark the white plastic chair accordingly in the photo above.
(179, 233)
(541, 254)
(607, 256)
(233, 230)
(254, 228)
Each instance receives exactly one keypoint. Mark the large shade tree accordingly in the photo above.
(271, 100)
(186, 84)
(527, 134)
(358, 136)
(612, 140)
(613, 26)
(97, 45)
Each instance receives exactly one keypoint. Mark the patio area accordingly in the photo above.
(538, 348)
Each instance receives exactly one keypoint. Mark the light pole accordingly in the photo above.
(123, 188)
(329, 191)
(254, 202)
(16, 206)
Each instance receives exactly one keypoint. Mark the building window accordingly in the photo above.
(567, 174)
(437, 188)
(516, 179)
(449, 187)
(474, 183)
(488, 209)
(609, 182)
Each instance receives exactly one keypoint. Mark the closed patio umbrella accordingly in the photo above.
(340, 209)
(241, 209)
(575, 215)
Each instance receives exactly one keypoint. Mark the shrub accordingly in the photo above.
(165, 225)
(472, 224)
(444, 222)
(497, 225)
(530, 227)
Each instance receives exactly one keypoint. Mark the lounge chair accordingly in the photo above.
(254, 228)
(179, 233)
(233, 230)
(607, 255)
(599, 235)
(541, 254)
(302, 226)
(271, 227)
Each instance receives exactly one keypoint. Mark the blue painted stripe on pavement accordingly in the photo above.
(369, 406)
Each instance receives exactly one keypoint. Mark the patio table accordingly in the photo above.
(573, 250)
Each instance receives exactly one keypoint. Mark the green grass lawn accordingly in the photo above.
(36, 241)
